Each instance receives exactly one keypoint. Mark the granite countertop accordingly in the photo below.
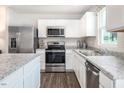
(12, 62)
(110, 65)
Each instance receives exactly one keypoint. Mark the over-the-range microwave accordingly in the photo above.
(55, 31)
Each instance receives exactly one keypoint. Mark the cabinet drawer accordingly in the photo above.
(105, 81)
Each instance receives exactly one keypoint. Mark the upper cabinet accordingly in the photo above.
(89, 24)
(115, 18)
(42, 28)
(72, 27)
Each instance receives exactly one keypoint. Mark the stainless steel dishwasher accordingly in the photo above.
(92, 76)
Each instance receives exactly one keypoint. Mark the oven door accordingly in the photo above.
(55, 57)
(55, 61)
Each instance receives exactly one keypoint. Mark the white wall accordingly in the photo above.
(17, 19)
(12, 17)
(3, 30)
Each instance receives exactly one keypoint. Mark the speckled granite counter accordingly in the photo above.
(110, 65)
(11, 62)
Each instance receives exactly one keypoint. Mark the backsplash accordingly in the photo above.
(69, 42)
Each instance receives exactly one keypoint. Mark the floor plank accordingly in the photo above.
(59, 80)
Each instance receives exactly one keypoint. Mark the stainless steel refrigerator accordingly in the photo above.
(22, 39)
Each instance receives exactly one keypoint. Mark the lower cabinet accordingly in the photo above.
(76, 62)
(105, 81)
(32, 74)
(42, 58)
(83, 76)
(69, 60)
(14, 80)
(27, 76)
(79, 69)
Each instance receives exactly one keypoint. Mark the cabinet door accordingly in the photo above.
(73, 28)
(83, 26)
(41, 52)
(42, 28)
(32, 74)
(89, 24)
(83, 76)
(14, 80)
(43, 62)
(75, 64)
(68, 62)
(82, 70)
(32, 79)
(105, 81)
(79, 68)
(69, 59)
(115, 17)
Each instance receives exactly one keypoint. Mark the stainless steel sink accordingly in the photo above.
(90, 53)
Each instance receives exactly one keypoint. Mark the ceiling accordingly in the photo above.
(47, 9)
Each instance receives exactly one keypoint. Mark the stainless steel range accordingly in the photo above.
(55, 57)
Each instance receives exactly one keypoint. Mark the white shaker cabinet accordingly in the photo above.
(41, 52)
(73, 29)
(105, 81)
(89, 24)
(14, 80)
(79, 69)
(42, 28)
(82, 71)
(32, 74)
(69, 60)
(115, 17)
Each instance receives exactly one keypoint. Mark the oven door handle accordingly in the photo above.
(95, 73)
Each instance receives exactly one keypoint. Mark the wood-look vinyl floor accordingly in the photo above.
(59, 80)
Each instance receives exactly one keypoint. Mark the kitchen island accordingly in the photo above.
(19, 70)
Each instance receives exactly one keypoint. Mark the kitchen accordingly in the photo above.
(62, 46)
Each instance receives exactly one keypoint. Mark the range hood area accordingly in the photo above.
(55, 31)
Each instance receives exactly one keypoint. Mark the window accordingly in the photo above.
(104, 36)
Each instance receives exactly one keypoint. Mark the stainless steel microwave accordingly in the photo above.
(55, 31)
